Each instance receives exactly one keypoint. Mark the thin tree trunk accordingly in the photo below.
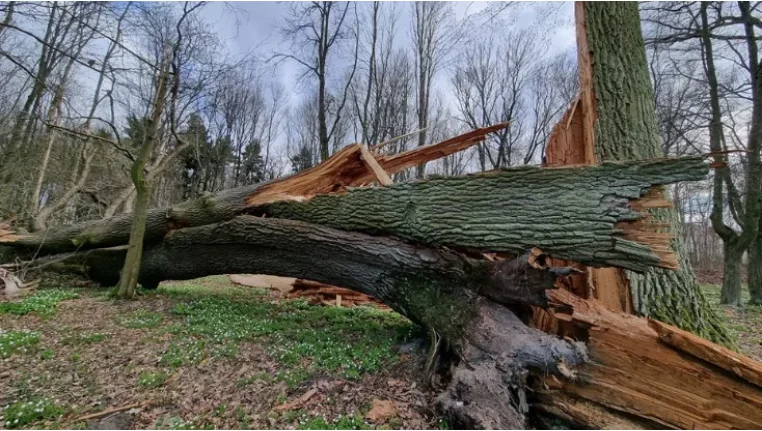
(755, 272)
(731, 279)
(131, 269)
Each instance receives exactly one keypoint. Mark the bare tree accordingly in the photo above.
(316, 30)
(433, 34)
(719, 32)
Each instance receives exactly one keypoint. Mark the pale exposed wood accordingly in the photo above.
(587, 91)
(372, 163)
(573, 142)
(741, 365)
(634, 371)
(348, 167)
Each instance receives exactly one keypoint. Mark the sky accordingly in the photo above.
(253, 28)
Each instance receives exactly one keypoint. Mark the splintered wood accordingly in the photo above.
(355, 165)
(319, 293)
(654, 372)
(647, 231)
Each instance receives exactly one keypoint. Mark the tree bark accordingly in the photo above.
(731, 277)
(629, 371)
(345, 168)
(131, 270)
(626, 129)
(588, 214)
(755, 272)
(463, 299)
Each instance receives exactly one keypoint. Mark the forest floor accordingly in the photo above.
(210, 354)
(207, 354)
(745, 323)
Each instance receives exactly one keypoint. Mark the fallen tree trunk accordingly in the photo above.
(345, 168)
(629, 374)
(462, 299)
(585, 214)
(594, 215)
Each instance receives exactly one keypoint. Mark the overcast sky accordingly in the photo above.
(253, 28)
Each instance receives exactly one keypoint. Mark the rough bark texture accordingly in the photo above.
(755, 272)
(460, 298)
(575, 213)
(345, 168)
(644, 372)
(731, 275)
(626, 129)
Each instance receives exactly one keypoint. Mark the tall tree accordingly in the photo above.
(166, 86)
(315, 31)
(619, 123)
(433, 35)
(724, 40)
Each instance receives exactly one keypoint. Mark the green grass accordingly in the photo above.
(342, 422)
(142, 319)
(79, 339)
(22, 413)
(12, 342)
(151, 379)
(43, 303)
(344, 341)
(47, 354)
(188, 352)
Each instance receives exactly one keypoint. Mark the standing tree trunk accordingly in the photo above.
(131, 269)
(615, 120)
(755, 272)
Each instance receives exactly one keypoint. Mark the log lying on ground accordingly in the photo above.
(633, 378)
(593, 215)
(586, 214)
(346, 168)
(460, 298)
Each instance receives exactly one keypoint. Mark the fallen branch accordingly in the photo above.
(111, 411)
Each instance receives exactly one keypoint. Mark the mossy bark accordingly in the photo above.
(574, 213)
(577, 212)
(755, 272)
(626, 129)
(473, 304)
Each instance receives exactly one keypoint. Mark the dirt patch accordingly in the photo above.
(95, 354)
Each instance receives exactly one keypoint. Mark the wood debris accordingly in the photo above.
(324, 294)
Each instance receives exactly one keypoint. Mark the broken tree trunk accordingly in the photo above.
(346, 168)
(592, 215)
(629, 374)
(462, 299)
(652, 371)
(587, 214)
(614, 119)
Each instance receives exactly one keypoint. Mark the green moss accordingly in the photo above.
(447, 308)
(696, 316)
